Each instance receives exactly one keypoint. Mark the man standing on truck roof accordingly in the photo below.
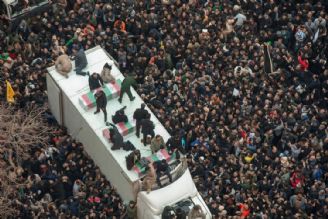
(95, 81)
(101, 102)
(147, 128)
(125, 87)
(139, 115)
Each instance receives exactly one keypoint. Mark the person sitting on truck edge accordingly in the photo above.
(80, 61)
(140, 114)
(125, 87)
(95, 81)
(162, 167)
(101, 102)
(150, 177)
(147, 128)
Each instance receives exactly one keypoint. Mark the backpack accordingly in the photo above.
(128, 146)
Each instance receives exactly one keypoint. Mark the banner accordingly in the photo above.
(10, 93)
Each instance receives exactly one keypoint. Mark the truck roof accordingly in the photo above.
(74, 86)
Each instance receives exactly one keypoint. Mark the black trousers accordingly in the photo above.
(138, 126)
(104, 111)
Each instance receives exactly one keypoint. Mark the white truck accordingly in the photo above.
(64, 95)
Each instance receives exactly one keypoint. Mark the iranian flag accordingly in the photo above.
(160, 155)
(125, 128)
(111, 90)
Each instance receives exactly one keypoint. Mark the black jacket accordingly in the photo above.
(116, 138)
(147, 126)
(101, 100)
(95, 83)
(161, 167)
(140, 114)
(81, 60)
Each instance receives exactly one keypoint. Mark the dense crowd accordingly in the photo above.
(256, 142)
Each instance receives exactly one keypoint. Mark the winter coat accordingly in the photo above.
(140, 114)
(63, 65)
(81, 60)
(95, 83)
(147, 126)
(127, 83)
(101, 100)
(156, 145)
(107, 76)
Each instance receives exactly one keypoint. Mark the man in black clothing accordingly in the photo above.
(80, 62)
(147, 128)
(139, 115)
(101, 102)
(95, 81)
(162, 168)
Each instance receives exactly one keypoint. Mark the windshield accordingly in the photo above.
(21, 6)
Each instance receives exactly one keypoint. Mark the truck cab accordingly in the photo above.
(174, 200)
(13, 11)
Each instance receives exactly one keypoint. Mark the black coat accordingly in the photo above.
(161, 167)
(101, 100)
(95, 83)
(116, 138)
(140, 114)
(147, 126)
(81, 60)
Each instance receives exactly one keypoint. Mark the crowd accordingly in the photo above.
(256, 142)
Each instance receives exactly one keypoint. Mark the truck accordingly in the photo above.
(65, 98)
(14, 11)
